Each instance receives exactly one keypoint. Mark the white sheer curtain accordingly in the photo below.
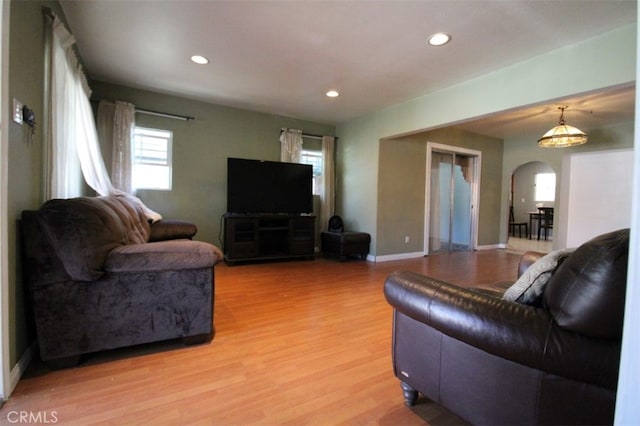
(327, 190)
(71, 138)
(291, 145)
(116, 121)
(62, 167)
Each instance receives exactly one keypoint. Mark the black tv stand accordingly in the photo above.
(258, 237)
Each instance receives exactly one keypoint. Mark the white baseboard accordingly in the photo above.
(19, 369)
(413, 255)
(492, 247)
(400, 256)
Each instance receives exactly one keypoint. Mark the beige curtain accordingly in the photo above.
(290, 145)
(465, 165)
(327, 190)
(116, 121)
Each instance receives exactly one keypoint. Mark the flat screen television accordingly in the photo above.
(268, 187)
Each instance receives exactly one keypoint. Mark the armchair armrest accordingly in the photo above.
(503, 328)
(520, 333)
(172, 230)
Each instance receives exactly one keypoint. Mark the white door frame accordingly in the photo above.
(475, 189)
(5, 385)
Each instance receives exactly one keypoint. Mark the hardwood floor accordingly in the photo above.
(302, 342)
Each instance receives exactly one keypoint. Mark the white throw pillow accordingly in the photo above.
(530, 286)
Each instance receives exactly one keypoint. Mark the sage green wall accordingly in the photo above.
(579, 68)
(357, 178)
(524, 149)
(26, 84)
(201, 148)
(401, 188)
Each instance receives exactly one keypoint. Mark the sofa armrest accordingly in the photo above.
(520, 333)
(162, 256)
(528, 259)
(172, 230)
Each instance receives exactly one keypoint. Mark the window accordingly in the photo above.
(545, 187)
(313, 158)
(152, 158)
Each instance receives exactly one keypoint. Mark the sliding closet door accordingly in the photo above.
(440, 202)
(450, 202)
(461, 211)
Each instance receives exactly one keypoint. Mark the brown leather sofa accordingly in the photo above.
(100, 276)
(495, 361)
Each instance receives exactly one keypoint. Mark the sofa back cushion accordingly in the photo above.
(136, 226)
(586, 294)
(82, 231)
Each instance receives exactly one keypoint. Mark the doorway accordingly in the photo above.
(531, 189)
(451, 199)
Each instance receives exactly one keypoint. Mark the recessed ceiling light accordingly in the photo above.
(333, 93)
(438, 39)
(199, 59)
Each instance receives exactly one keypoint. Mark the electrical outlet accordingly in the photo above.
(17, 111)
(406, 239)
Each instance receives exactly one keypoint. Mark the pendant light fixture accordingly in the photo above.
(563, 135)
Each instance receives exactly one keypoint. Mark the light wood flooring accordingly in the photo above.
(297, 343)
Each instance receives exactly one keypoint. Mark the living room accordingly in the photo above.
(365, 144)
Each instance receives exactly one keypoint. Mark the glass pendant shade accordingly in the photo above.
(562, 136)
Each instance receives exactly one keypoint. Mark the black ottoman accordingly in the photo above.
(345, 244)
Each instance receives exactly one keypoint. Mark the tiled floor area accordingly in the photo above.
(523, 244)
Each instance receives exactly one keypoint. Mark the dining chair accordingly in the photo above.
(513, 225)
(545, 221)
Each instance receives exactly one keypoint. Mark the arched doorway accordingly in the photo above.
(533, 185)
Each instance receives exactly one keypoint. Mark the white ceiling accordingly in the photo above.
(282, 56)
(586, 111)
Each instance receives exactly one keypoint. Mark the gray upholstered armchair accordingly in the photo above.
(97, 282)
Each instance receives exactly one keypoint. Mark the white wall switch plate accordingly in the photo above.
(17, 111)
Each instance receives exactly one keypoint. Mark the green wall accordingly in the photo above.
(401, 188)
(579, 68)
(201, 148)
(26, 84)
